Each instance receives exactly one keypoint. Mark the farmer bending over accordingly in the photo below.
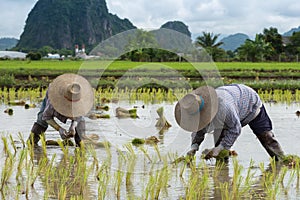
(225, 110)
(69, 96)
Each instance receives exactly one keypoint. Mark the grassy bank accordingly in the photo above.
(126, 65)
(134, 74)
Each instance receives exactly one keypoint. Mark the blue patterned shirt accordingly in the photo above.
(238, 105)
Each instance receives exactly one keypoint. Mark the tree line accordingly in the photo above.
(266, 46)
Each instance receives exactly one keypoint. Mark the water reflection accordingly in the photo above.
(120, 132)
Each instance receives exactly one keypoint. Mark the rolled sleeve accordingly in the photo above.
(48, 113)
(197, 139)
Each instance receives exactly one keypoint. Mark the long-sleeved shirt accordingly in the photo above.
(238, 105)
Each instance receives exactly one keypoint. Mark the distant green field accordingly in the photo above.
(126, 65)
(265, 75)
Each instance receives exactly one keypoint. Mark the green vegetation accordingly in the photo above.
(148, 95)
(122, 74)
(208, 41)
(69, 65)
(76, 173)
(137, 141)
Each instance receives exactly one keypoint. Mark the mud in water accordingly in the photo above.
(118, 132)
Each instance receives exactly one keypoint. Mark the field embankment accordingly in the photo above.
(168, 75)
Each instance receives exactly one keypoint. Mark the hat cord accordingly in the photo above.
(200, 106)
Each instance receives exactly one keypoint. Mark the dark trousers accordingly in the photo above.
(262, 123)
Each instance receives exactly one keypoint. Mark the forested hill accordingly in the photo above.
(64, 23)
(7, 43)
(177, 26)
(175, 36)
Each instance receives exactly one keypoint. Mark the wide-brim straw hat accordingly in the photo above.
(197, 109)
(71, 95)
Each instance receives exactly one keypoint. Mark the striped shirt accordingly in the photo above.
(238, 105)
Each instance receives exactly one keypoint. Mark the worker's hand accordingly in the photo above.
(72, 128)
(63, 133)
(215, 151)
(191, 152)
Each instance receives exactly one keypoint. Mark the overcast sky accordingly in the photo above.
(218, 16)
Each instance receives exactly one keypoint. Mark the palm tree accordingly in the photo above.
(272, 36)
(255, 50)
(208, 41)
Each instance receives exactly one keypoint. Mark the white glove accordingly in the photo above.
(63, 133)
(72, 128)
(215, 151)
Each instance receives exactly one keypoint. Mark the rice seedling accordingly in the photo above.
(68, 175)
(48, 175)
(248, 181)
(94, 156)
(5, 95)
(270, 182)
(157, 151)
(12, 94)
(290, 179)
(225, 192)
(64, 148)
(103, 176)
(7, 170)
(13, 144)
(279, 95)
(147, 95)
(118, 180)
(149, 192)
(297, 168)
(21, 159)
(36, 171)
(198, 183)
(141, 148)
(236, 179)
(5, 145)
(163, 178)
(21, 138)
(82, 172)
(131, 162)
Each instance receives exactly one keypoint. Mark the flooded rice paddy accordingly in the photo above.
(151, 174)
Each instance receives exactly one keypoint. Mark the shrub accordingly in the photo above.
(34, 56)
(7, 80)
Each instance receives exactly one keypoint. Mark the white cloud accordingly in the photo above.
(13, 16)
(218, 16)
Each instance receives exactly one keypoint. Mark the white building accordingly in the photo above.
(53, 56)
(12, 55)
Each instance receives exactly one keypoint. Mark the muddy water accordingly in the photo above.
(174, 140)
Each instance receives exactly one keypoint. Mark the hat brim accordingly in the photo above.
(66, 107)
(198, 121)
